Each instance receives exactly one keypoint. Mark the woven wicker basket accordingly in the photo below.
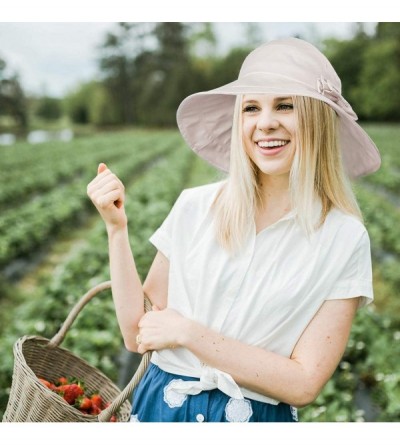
(34, 356)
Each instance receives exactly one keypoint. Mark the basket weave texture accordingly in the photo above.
(35, 356)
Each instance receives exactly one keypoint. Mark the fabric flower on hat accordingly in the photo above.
(328, 90)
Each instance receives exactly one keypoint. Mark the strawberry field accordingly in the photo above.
(53, 248)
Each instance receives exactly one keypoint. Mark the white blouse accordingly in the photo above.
(264, 296)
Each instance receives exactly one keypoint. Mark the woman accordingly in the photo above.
(257, 277)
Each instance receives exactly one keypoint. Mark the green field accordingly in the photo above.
(53, 248)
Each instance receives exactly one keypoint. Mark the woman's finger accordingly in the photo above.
(141, 349)
(98, 180)
(101, 168)
(109, 187)
(97, 184)
(113, 197)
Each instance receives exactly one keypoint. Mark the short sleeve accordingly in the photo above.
(355, 277)
(162, 237)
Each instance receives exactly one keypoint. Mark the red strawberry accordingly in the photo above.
(94, 410)
(70, 392)
(62, 381)
(97, 401)
(83, 403)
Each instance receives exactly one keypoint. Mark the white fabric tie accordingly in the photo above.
(211, 378)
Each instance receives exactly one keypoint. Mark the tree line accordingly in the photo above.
(12, 97)
(369, 67)
(146, 69)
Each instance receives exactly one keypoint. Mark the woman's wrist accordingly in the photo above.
(117, 230)
(185, 332)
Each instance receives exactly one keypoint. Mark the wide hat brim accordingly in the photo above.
(205, 121)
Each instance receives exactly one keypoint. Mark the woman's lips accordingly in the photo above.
(271, 150)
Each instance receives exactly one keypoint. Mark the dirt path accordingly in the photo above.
(58, 254)
(384, 193)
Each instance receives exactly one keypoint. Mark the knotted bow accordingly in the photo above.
(210, 378)
(328, 90)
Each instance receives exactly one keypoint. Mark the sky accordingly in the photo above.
(53, 45)
(52, 58)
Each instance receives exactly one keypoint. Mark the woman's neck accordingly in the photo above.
(275, 202)
(274, 192)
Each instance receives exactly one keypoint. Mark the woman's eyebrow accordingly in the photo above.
(279, 99)
(275, 99)
(250, 101)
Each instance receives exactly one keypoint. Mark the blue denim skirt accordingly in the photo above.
(154, 401)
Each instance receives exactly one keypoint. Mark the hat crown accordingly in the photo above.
(292, 58)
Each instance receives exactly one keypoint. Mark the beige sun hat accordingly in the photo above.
(282, 67)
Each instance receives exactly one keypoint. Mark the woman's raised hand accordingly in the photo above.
(108, 195)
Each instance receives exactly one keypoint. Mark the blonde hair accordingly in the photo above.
(316, 172)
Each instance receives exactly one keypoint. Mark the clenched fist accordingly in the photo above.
(108, 195)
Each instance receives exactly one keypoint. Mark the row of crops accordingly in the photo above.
(36, 211)
(43, 198)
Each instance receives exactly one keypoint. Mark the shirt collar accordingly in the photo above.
(292, 214)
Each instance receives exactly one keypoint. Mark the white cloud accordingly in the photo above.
(54, 55)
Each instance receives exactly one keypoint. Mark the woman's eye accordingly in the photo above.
(250, 109)
(285, 107)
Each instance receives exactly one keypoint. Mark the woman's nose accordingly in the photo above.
(267, 121)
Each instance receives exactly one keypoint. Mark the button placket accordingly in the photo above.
(201, 408)
(243, 267)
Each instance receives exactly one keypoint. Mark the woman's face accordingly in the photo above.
(268, 125)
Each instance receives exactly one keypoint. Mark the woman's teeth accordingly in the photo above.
(271, 144)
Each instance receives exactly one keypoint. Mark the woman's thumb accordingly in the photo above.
(101, 168)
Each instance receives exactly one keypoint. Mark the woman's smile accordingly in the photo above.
(271, 147)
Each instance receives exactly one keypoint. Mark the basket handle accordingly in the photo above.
(106, 414)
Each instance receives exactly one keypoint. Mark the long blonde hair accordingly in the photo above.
(317, 172)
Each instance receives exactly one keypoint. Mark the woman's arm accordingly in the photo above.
(296, 380)
(107, 193)
(128, 292)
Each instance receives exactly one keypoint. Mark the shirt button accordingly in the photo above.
(200, 418)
